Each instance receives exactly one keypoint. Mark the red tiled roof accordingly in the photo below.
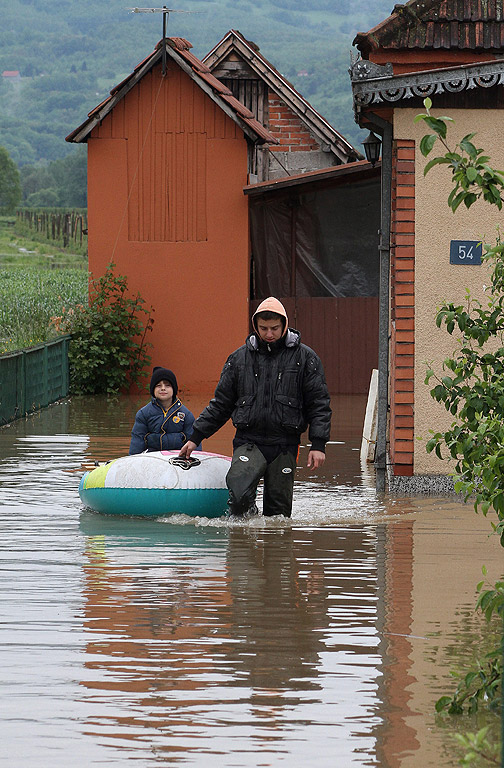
(194, 61)
(216, 84)
(180, 43)
(238, 106)
(200, 74)
(10, 73)
(458, 24)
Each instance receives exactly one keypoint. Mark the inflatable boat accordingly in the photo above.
(158, 484)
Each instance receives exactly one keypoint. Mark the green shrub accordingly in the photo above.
(108, 352)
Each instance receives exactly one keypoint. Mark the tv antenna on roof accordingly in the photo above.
(166, 12)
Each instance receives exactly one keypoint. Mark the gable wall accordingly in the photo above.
(166, 171)
(298, 150)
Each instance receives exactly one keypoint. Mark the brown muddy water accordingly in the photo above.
(326, 638)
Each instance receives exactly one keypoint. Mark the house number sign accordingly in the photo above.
(465, 252)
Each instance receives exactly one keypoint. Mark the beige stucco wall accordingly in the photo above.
(436, 280)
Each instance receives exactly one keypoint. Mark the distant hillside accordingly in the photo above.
(69, 54)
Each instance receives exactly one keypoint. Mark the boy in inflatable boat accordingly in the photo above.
(273, 388)
(164, 424)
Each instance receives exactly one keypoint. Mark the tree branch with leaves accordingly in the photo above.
(473, 178)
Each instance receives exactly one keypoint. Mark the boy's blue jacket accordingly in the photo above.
(158, 430)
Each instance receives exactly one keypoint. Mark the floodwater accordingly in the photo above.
(326, 638)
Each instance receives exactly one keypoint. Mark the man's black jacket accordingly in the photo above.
(272, 392)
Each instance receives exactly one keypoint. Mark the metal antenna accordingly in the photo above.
(166, 12)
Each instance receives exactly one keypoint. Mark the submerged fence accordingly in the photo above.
(66, 228)
(33, 378)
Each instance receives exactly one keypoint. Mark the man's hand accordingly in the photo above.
(315, 459)
(187, 449)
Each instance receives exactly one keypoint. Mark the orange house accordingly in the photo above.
(168, 158)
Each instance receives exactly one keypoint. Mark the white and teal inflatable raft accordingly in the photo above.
(158, 484)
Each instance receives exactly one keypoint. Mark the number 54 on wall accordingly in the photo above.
(466, 252)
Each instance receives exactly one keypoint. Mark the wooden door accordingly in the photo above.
(343, 332)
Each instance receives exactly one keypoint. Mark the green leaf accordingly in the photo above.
(442, 160)
(495, 192)
(471, 173)
(452, 194)
(442, 703)
(457, 200)
(469, 199)
(437, 125)
(426, 143)
(427, 102)
(469, 678)
(467, 146)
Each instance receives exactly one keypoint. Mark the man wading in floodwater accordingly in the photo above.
(272, 388)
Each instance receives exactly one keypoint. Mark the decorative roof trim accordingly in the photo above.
(277, 82)
(373, 84)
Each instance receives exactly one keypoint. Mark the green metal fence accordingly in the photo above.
(33, 378)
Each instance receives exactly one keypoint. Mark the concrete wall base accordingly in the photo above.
(421, 485)
(298, 162)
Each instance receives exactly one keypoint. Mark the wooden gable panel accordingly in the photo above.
(167, 123)
(167, 201)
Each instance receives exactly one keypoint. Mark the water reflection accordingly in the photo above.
(206, 642)
(266, 633)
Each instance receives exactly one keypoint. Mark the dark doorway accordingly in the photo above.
(316, 249)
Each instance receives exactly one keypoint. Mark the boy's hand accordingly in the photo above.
(187, 449)
(315, 459)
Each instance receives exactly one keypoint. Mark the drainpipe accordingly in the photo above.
(383, 128)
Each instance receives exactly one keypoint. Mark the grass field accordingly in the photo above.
(37, 282)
